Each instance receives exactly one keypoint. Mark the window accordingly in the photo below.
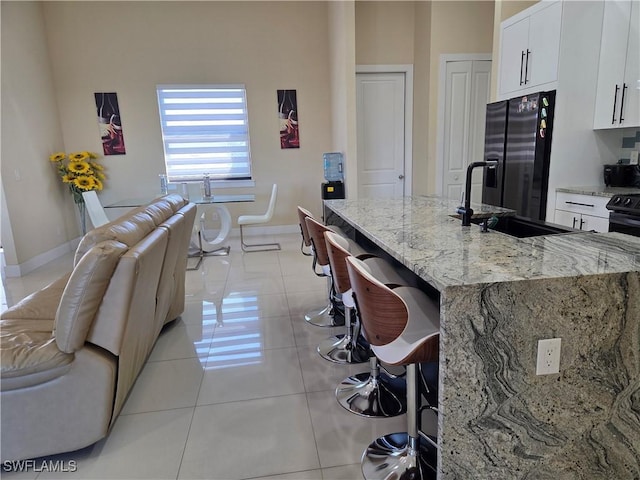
(205, 130)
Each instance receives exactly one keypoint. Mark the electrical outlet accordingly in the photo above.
(548, 356)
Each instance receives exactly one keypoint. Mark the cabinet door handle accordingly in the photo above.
(526, 67)
(521, 67)
(581, 222)
(615, 102)
(624, 89)
(574, 222)
(581, 204)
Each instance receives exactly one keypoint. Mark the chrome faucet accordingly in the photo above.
(466, 211)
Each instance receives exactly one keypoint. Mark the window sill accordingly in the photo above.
(217, 184)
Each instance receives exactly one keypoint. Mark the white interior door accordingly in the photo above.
(466, 95)
(380, 121)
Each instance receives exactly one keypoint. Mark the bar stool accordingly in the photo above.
(306, 239)
(343, 348)
(373, 393)
(321, 316)
(333, 317)
(403, 328)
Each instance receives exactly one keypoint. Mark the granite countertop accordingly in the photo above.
(599, 191)
(422, 233)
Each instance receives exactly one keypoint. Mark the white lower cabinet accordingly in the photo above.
(581, 221)
(582, 212)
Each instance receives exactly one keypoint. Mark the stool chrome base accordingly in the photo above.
(398, 457)
(368, 396)
(325, 317)
(341, 349)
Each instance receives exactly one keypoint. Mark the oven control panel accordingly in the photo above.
(625, 203)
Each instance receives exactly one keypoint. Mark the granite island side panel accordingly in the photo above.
(499, 296)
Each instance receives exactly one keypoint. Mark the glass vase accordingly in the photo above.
(82, 208)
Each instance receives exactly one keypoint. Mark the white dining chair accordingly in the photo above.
(94, 209)
(244, 220)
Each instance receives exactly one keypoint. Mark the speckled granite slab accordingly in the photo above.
(499, 295)
(423, 235)
(501, 421)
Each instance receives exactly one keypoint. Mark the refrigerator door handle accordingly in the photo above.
(521, 66)
(615, 102)
(624, 89)
(526, 67)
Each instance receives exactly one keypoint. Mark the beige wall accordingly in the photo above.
(132, 47)
(399, 33)
(385, 33)
(456, 27)
(421, 86)
(417, 33)
(312, 47)
(508, 8)
(343, 88)
(40, 211)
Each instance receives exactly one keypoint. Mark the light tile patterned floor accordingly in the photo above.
(233, 389)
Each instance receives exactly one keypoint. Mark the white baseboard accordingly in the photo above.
(266, 230)
(40, 260)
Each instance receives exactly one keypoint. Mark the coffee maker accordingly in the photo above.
(622, 175)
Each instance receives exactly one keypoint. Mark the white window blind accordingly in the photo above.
(205, 130)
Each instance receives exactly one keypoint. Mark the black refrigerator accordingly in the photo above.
(518, 135)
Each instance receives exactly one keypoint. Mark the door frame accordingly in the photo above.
(442, 81)
(408, 114)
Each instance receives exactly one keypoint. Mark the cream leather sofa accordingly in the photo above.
(72, 351)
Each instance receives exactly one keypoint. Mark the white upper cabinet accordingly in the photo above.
(618, 98)
(529, 49)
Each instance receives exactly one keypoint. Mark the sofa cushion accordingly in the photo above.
(132, 226)
(29, 354)
(162, 208)
(160, 211)
(83, 294)
(129, 230)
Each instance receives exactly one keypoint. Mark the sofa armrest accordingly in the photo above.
(84, 293)
(41, 305)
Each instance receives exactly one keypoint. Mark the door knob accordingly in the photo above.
(400, 176)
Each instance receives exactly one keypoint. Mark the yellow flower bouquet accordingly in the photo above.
(81, 173)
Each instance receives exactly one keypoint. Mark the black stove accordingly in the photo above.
(624, 215)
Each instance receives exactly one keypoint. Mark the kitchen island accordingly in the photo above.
(499, 295)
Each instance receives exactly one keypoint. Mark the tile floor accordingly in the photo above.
(234, 389)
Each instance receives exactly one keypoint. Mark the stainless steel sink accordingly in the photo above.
(522, 227)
